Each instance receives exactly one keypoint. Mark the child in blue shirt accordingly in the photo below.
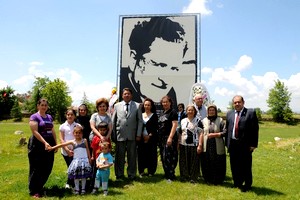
(103, 163)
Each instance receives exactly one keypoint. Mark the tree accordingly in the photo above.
(56, 92)
(16, 112)
(7, 100)
(91, 106)
(258, 113)
(278, 102)
(36, 93)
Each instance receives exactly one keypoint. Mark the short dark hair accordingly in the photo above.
(145, 32)
(102, 125)
(127, 89)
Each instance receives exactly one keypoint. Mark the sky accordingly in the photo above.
(245, 45)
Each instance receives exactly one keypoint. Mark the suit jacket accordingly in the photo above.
(247, 126)
(127, 126)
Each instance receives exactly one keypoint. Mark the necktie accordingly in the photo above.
(127, 105)
(236, 126)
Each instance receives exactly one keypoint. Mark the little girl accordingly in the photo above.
(80, 167)
(103, 163)
(66, 134)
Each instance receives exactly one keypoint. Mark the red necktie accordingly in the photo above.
(236, 126)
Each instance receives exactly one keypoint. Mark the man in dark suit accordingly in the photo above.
(242, 139)
(127, 125)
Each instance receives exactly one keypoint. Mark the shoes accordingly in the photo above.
(105, 193)
(150, 175)
(83, 192)
(169, 181)
(142, 174)
(245, 188)
(95, 190)
(37, 196)
(131, 177)
(76, 192)
(120, 178)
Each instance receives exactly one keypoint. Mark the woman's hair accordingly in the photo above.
(42, 100)
(181, 104)
(192, 106)
(100, 101)
(83, 106)
(72, 110)
(153, 108)
(168, 98)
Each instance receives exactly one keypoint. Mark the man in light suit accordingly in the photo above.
(127, 125)
(241, 138)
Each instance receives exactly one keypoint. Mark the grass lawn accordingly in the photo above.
(276, 171)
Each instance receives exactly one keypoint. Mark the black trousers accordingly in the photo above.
(240, 163)
(147, 156)
(40, 164)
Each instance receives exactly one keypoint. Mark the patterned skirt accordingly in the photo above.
(80, 168)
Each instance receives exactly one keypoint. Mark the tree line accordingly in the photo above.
(13, 106)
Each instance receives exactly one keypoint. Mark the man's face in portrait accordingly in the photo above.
(161, 68)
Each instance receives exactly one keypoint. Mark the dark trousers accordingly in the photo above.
(241, 164)
(68, 161)
(40, 166)
(123, 147)
(169, 156)
(147, 157)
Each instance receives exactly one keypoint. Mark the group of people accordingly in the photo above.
(194, 137)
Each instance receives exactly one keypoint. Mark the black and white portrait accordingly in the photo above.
(158, 56)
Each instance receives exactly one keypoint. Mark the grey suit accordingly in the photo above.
(127, 127)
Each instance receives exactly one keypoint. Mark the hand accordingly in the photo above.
(199, 149)
(169, 141)
(47, 147)
(138, 138)
(70, 153)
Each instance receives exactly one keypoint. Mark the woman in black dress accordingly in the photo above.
(147, 146)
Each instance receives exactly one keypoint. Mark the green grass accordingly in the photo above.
(276, 171)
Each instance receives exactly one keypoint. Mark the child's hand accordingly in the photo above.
(70, 153)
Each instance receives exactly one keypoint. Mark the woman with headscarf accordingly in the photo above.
(213, 159)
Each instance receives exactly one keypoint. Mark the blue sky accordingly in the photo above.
(245, 45)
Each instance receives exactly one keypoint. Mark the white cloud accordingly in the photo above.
(197, 6)
(225, 83)
(243, 63)
(3, 84)
(77, 86)
(206, 70)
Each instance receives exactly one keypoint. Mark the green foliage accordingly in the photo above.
(278, 101)
(56, 92)
(91, 106)
(258, 113)
(16, 112)
(36, 93)
(7, 100)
